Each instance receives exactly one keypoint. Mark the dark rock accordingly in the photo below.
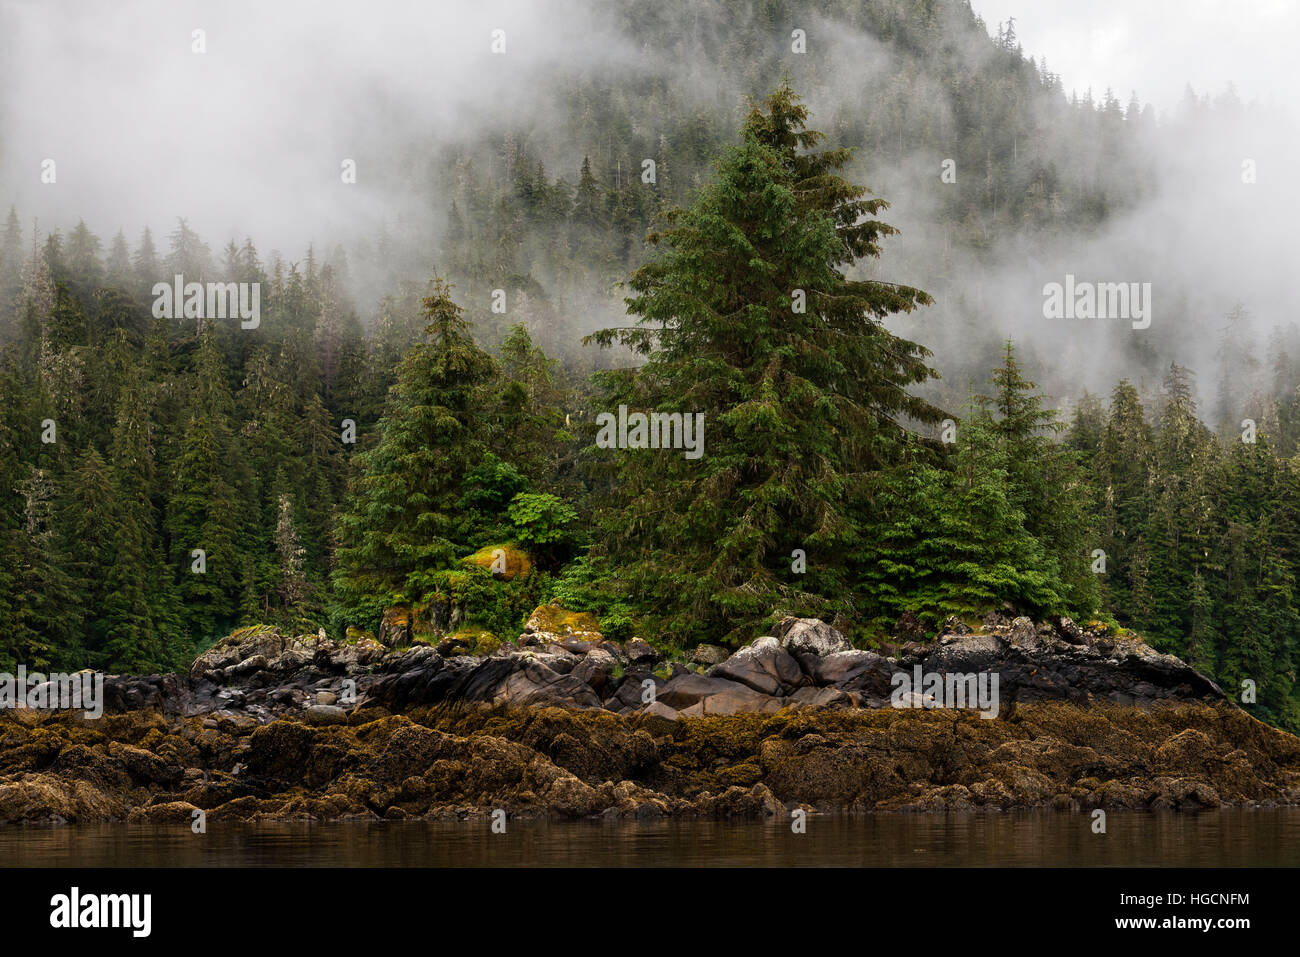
(953, 625)
(841, 666)
(823, 698)
(595, 669)
(763, 666)
(640, 652)
(967, 653)
(708, 655)
(1068, 631)
(909, 628)
(737, 699)
(1023, 635)
(628, 695)
(683, 691)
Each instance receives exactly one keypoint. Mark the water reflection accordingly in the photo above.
(1224, 838)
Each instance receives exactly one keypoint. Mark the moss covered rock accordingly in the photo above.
(557, 622)
(505, 561)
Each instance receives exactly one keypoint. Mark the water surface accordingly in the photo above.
(1223, 838)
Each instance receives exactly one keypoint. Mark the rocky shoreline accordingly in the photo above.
(564, 723)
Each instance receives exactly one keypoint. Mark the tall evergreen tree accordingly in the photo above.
(403, 521)
(750, 319)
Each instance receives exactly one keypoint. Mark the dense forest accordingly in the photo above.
(415, 408)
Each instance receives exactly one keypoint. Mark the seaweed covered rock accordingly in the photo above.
(562, 762)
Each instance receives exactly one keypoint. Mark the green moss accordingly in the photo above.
(517, 562)
(486, 644)
(554, 619)
(355, 635)
(480, 641)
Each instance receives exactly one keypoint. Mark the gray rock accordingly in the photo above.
(841, 666)
(709, 655)
(1024, 636)
(686, 690)
(811, 636)
(595, 669)
(533, 683)
(967, 653)
(822, 698)
(660, 710)
(1069, 631)
(736, 700)
(326, 714)
(763, 666)
(627, 697)
(640, 651)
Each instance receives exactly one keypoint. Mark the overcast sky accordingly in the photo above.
(1156, 47)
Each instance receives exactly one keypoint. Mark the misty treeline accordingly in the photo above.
(826, 486)
(906, 84)
(128, 442)
(552, 206)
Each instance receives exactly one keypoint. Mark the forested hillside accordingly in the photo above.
(383, 433)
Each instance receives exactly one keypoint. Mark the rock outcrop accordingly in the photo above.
(562, 660)
(564, 722)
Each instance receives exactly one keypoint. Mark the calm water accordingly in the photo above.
(1226, 838)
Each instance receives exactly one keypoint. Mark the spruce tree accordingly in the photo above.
(403, 522)
(751, 319)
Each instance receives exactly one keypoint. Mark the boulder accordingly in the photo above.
(555, 623)
(764, 666)
(810, 636)
(326, 714)
(628, 691)
(686, 690)
(641, 652)
(1023, 635)
(967, 653)
(258, 648)
(810, 697)
(708, 655)
(355, 653)
(395, 626)
(658, 709)
(595, 669)
(841, 667)
(735, 700)
(1068, 631)
(533, 683)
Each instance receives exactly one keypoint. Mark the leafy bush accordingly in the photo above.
(583, 585)
(541, 521)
